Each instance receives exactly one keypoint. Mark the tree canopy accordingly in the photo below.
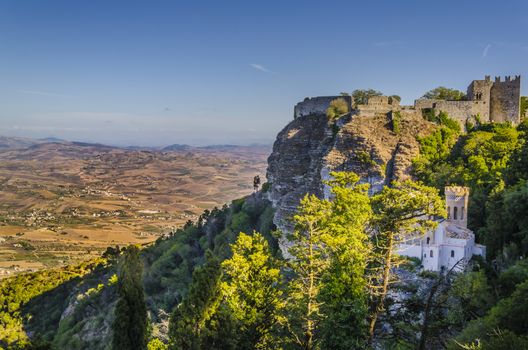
(444, 93)
(361, 96)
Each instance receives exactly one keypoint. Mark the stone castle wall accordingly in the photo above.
(505, 100)
(317, 105)
(492, 101)
(458, 110)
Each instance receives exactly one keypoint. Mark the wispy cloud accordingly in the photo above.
(260, 67)
(41, 93)
(386, 43)
(486, 50)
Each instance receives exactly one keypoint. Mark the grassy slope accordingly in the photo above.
(72, 307)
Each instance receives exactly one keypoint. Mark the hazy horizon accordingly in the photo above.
(201, 73)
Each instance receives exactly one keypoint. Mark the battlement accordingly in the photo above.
(491, 101)
(456, 190)
(507, 79)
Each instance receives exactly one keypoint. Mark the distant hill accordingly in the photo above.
(52, 139)
(7, 143)
(176, 147)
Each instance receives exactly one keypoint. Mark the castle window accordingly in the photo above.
(455, 213)
(449, 212)
(452, 253)
(431, 253)
(428, 240)
(462, 213)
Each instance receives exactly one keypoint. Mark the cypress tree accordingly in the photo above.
(189, 322)
(130, 323)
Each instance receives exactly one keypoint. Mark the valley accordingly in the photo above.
(61, 202)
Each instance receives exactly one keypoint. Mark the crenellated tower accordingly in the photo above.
(505, 100)
(456, 204)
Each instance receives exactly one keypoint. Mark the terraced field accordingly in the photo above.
(61, 201)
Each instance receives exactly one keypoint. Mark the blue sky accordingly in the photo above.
(208, 72)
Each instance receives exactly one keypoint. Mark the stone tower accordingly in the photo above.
(505, 99)
(457, 204)
(479, 91)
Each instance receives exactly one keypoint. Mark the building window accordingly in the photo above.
(431, 253)
(455, 213)
(462, 213)
(449, 212)
(452, 253)
(428, 240)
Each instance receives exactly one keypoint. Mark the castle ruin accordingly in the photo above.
(491, 101)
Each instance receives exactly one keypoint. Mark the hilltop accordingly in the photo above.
(424, 309)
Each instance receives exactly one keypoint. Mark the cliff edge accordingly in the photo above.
(377, 146)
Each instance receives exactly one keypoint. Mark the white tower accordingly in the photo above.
(457, 204)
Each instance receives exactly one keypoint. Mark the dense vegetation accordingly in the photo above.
(24, 296)
(222, 283)
(492, 159)
(443, 93)
(331, 295)
(129, 327)
(35, 302)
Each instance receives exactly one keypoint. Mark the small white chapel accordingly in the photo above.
(451, 243)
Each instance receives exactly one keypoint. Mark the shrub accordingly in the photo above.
(337, 108)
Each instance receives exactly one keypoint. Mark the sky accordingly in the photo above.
(154, 73)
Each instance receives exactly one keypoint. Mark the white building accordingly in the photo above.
(451, 241)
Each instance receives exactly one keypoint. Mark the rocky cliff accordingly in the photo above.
(310, 147)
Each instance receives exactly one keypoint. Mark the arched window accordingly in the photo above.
(449, 212)
(455, 213)
(462, 213)
(431, 253)
(428, 240)
(452, 253)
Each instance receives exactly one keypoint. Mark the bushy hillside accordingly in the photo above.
(341, 245)
(72, 307)
(491, 159)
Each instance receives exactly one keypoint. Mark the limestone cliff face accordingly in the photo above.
(310, 147)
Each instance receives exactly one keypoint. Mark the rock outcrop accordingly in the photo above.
(309, 148)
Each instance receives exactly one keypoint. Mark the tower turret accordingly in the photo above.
(456, 198)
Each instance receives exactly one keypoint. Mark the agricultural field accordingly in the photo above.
(61, 202)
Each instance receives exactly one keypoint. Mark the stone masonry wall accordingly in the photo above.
(458, 110)
(505, 100)
(317, 105)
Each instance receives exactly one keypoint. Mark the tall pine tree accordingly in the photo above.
(253, 290)
(130, 323)
(327, 301)
(191, 321)
(401, 212)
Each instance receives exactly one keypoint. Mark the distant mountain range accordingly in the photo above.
(11, 143)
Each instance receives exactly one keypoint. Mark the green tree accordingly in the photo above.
(509, 315)
(156, 344)
(308, 263)
(524, 106)
(189, 319)
(131, 323)
(344, 292)
(361, 96)
(393, 98)
(253, 290)
(443, 93)
(327, 294)
(400, 212)
(337, 108)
